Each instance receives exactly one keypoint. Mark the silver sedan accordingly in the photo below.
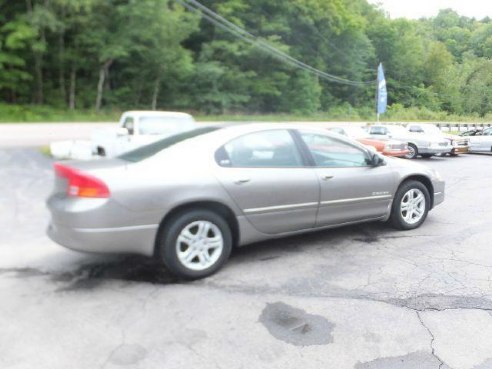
(190, 198)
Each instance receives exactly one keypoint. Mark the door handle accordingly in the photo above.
(326, 177)
(242, 181)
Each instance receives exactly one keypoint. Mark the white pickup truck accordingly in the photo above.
(135, 129)
(139, 128)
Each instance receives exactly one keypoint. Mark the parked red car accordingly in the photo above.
(386, 147)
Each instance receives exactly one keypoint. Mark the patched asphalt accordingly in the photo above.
(359, 297)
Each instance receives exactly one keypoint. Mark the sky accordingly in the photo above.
(427, 8)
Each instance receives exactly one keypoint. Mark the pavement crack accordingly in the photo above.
(433, 338)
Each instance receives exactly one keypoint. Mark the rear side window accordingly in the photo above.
(147, 151)
(150, 125)
(340, 131)
(416, 129)
(267, 149)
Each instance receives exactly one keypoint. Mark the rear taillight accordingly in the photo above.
(81, 184)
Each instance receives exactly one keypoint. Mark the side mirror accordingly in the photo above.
(121, 131)
(376, 160)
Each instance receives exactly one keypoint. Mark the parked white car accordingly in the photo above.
(418, 144)
(139, 128)
(483, 142)
(459, 145)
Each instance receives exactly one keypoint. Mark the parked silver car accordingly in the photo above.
(481, 142)
(188, 199)
(457, 144)
(418, 144)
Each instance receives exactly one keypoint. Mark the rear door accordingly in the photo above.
(265, 174)
(350, 188)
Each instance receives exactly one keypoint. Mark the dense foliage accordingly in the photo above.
(123, 54)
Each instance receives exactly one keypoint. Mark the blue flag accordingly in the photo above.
(382, 91)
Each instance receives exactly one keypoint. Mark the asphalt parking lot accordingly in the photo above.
(362, 297)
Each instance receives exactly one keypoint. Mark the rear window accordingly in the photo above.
(147, 151)
(164, 125)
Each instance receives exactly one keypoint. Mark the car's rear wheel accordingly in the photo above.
(412, 151)
(195, 244)
(410, 206)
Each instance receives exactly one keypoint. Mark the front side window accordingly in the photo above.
(328, 152)
(268, 149)
(129, 125)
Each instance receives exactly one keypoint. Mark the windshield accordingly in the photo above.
(147, 151)
(164, 125)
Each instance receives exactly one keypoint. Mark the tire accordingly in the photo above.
(428, 156)
(413, 151)
(402, 219)
(184, 237)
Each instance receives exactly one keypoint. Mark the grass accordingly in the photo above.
(273, 118)
(32, 114)
(35, 114)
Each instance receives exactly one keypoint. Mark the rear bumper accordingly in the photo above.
(135, 239)
(101, 226)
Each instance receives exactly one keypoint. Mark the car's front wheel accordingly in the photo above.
(412, 151)
(195, 244)
(410, 205)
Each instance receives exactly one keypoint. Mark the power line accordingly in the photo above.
(241, 33)
(319, 33)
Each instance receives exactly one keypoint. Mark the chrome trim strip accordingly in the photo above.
(437, 193)
(357, 199)
(117, 229)
(279, 207)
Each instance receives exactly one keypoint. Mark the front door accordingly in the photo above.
(266, 176)
(351, 189)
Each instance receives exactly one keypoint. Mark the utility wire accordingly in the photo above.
(319, 33)
(241, 33)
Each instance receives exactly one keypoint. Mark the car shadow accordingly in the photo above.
(480, 153)
(140, 269)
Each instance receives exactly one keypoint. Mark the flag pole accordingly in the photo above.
(377, 99)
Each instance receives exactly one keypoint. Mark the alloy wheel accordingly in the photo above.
(199, 245)
(411, 154)
(412, 206)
